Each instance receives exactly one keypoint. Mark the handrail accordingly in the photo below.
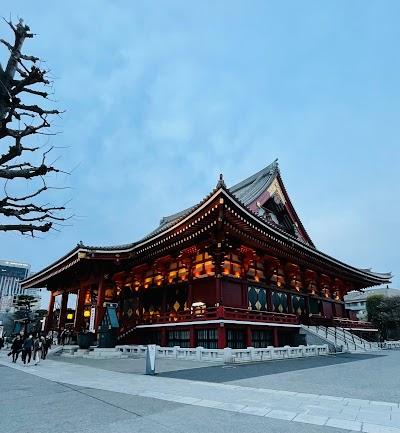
(348, 323)
(347, 337)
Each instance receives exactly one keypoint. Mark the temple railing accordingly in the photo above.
(221, 312)
(347, 323)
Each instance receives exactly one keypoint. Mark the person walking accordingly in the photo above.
(16, 348)
(45, 346)
(27, 349)
(37, 350)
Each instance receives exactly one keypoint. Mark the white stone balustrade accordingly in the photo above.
(228, 355)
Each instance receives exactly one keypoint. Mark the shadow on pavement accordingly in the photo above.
(231, 372)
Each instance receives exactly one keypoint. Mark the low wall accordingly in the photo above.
(390, 344)
(227, 355)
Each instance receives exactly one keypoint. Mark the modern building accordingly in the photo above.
(237, 269)
(11, 274)
(356, 301)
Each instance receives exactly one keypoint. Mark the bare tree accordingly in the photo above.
(24, 166)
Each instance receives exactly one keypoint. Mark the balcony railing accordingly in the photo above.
(211, 313)
(221, 312)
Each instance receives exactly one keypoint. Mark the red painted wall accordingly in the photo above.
(232, 294)
(339, 310)
(204, 291)
(352, 315)
(327, 308)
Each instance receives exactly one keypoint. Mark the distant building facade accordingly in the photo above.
(11, 273)
(356, 301)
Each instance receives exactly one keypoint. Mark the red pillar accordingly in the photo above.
(321, 307)
(79, 309)
(221, 337)
(63, 312)
(192, 337)
(49, 320)
(290, 305)
(248, 336)
(101, 293)
(218, 291)
(163, 337)
(164, 299)
(269, 300)
(189, 296)
(276, 340)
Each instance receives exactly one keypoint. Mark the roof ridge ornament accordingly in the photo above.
(221, 182)
(274, 167)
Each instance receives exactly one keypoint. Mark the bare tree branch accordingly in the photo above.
(21, 76)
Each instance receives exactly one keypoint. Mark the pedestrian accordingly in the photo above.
(37, 349)
(46, 345)
(27, 349)
(16, 348)
(1, 342)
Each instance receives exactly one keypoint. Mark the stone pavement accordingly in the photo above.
(342, 412)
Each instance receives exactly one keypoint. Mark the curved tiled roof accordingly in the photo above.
(245, 191)
(249, 189)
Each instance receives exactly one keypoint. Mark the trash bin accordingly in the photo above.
(86, 339)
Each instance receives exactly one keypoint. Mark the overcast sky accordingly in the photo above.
(163, 96)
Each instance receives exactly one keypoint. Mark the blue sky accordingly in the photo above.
(163, 96)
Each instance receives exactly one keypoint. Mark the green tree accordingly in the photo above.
(384, 313)
(373, 311)
(390, 317)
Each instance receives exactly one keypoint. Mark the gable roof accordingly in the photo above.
(251, 188)
(247, 192)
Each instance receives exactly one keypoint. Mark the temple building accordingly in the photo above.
(236, 270)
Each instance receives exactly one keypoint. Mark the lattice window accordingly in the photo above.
(261, 338)
(178, 338)
(207, 338)
(236, 339)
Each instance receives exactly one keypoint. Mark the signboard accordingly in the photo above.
(92, 317)
(151, 359)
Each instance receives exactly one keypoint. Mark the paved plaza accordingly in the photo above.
(341, 393)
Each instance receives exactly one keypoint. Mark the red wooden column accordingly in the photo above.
(248, 336)
(192, 337)
(49, 320)
(79, 309)
(307, 308)
(221, 337)
(189, 295)
(290, 304)
(321, 307)
(269, 299)
(101, 293)
(276, 339)
(218, 291)
(164, 299)
(163, 336)
(63, 312)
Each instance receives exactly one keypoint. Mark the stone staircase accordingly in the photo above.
(341, 339)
